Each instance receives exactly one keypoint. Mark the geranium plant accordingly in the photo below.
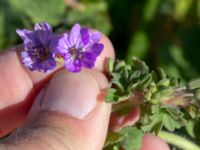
(163, 102)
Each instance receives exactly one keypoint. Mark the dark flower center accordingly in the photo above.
(42, 53)
(75, 52)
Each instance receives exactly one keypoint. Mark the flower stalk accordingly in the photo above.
(178, 141)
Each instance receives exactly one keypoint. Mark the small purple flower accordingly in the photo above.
(79, 48)
(39, 46)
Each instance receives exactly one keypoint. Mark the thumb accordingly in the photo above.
(69, 114)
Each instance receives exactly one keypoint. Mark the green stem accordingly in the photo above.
(178, 141)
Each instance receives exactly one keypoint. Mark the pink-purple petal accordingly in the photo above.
(88, 59)
(97, 48)
(74, 34)
(85, 35)
(95, 37)
(73, 65)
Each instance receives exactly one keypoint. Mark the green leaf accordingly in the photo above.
(133, 138)
(162, 74)
(194, 84)
(110, 65)
(111, 96)
(140, 65)
(190, 129)
(38, 10)
(9, 20)
(152, 126)
(150, 9)
(93, 15)
(163, 115)
(113, 138)
(169, 123)
(119, 65)
(118, 81)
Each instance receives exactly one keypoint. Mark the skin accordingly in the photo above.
(22, 90)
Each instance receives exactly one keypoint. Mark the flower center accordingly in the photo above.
(42, 53)
(75, 52)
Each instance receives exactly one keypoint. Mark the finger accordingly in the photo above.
(19, 86)
(151, 142)
(117, 122)
(108, 52)
(71, 114)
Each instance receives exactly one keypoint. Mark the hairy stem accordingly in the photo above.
(178, 141)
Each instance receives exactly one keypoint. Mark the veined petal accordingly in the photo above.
(97, 48)
(42, 26)
(53, 42)
(88, 59)
(85, 35)
(23, 33)
(44, 36)
(47, 65)
(95, 37)
(73, 65)
(74, 34)
(27, 61)
(63, 44)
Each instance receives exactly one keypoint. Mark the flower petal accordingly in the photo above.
(74, 34)
(47, 65)
(88, 59)
(95, 37)
(85, 35)
(43, 36)
(63, 44)
(97, 48)
(23, 33)
(42, 26)
(53, 42)
(73, 65)
(27, 61)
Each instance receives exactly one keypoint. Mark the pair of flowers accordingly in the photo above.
(78, 48)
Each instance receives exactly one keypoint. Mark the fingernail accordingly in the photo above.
(72, 93)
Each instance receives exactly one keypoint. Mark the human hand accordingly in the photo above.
(66, 110)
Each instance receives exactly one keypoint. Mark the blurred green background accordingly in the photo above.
(162, 32)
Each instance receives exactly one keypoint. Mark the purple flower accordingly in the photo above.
(39, 46)
(79, 48)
